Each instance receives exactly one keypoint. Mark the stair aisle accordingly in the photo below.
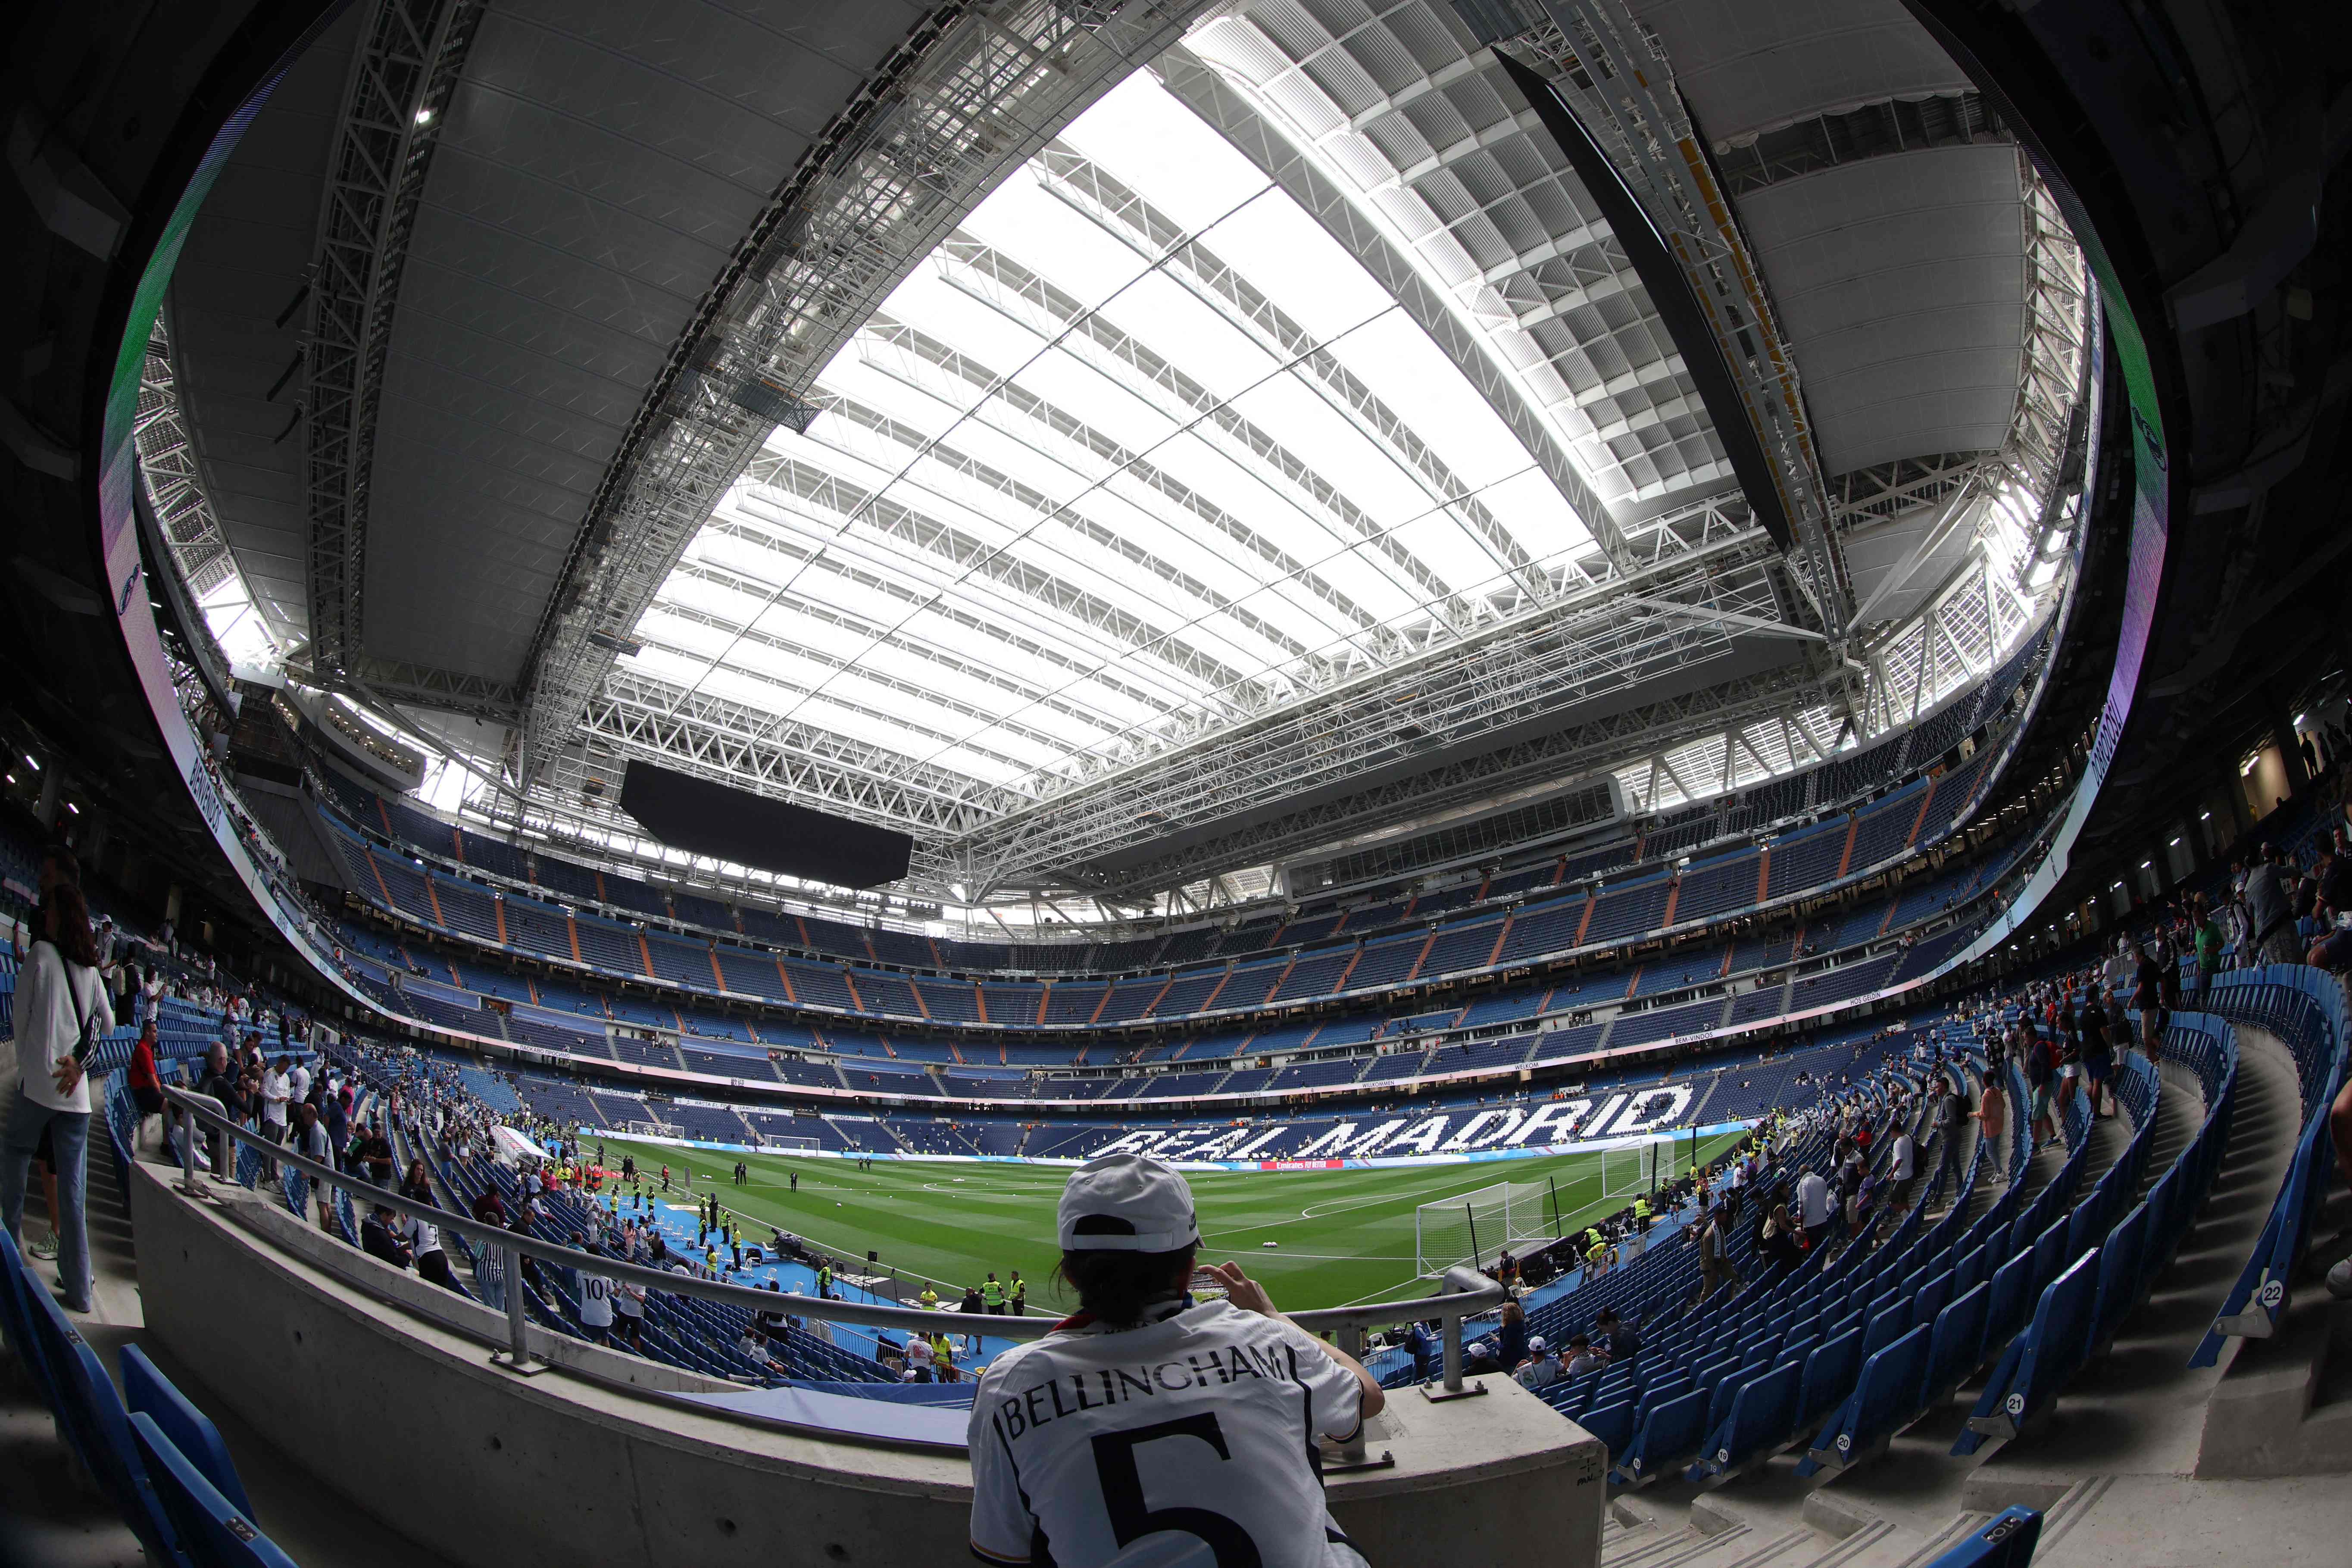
(49, 1518)
(2120, 1447)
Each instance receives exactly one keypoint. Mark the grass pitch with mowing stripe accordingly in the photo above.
(1342, 1237)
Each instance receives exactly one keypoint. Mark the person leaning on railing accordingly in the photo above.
(1218, 1459)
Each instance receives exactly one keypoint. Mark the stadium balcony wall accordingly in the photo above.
(650, 1473)
(1853, 789)
(1395, 957)
(1542, 1030)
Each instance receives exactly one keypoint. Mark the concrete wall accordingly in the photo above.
(404, 1414)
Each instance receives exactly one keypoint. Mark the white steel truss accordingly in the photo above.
(175, 485)
(1614, 74)
(974, 93)
(1031, 578)
(1392, 129)
(408, 64)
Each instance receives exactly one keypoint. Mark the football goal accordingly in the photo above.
(1628, 1173)
(791, 1142)
(1479, 1227)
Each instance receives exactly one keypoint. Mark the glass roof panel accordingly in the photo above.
(1138, 452)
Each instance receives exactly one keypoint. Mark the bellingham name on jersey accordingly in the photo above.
(1096, 1388)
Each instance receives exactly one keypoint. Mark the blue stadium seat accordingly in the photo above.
(2038, 1364)
(1613, 1423)
(148, 1392)
(1669, 1435)
(1888, 1395)
(16, 1323)
(1763, 1418)
(1955, 1348)
(2007, 1540)
(98, 1429)
(219, 1534)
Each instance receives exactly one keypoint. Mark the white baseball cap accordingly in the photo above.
(1126, 1203)
(1535, 1344)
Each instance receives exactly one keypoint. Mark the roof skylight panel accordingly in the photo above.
(910, 670)
(935, 570)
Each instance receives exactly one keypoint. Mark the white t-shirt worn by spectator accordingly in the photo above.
(1904, 1155)
(48, 1028)
(419, 1234)
(1200, 1424)
(1813, 1200)
(595, 1301)
(275, 1090)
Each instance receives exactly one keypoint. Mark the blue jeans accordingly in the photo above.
(69, 1141)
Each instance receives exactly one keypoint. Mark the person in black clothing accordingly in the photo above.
(372, 1152)
(377, 1241)
(220, 1083)
(1620, 1342)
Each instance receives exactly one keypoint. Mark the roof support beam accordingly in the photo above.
(408, 64)
(1215, 101)
(969, 96)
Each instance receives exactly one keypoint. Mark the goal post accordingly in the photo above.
(1629, 1173)
(790, 1142)
(1479, 1227)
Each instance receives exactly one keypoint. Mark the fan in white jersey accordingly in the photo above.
(597, 1303)
(1149, 1431)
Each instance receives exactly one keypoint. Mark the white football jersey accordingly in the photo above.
(596, 1301)
(1187, 1443)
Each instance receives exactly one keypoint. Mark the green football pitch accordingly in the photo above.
(1338, 1237)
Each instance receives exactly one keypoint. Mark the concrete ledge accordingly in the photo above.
(383, 1386)
(2265, 1417)
(278, 1229)
(1834, 1516)
(1991, 1493)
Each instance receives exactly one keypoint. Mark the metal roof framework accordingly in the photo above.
(1080, 723)
(974, 93)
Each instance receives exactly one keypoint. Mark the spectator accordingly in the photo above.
(61, 1012)
(629, 1314)
(1900, 1167)
(146, 1085)
(595, 1301)
(1541, 1370)
(1620, 1342)
(422, 1238)
(1777, 1238)
(1715, 1268)
(753, 1347)
(1580, 1357)
(1424, 1348)
(1511, 1336)
(1992, 1113)
(379, 1239)
(1813, 1202)
(372, 1152)
(1128, 1244)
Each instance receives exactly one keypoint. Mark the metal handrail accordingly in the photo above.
(1463, 1292)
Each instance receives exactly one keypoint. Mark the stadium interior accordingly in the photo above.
(1651, 678)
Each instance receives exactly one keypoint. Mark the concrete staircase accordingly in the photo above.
(2115, 1465)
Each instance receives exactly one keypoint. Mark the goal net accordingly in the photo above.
(1629, 1173)
(791, 1142)
(1479, 1227)
(652, 1129)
